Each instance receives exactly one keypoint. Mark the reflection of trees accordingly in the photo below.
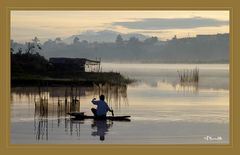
(114, 94)
(68, 98)
(57, 101)
(65, 99)
(42, 110)
(75, 126)
(41, 119)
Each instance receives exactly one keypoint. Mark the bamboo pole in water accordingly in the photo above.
(71, 99)
(79, 94)
(65, 101)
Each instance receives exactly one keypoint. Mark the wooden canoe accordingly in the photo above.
(81, 115)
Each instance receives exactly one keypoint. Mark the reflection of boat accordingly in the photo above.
(80, 115)
(101, 128)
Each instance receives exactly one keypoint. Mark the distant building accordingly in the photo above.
(75, 64)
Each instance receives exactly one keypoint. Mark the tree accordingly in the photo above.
(85, 42)
(133, 40)
(35, 40)
(19, 51)
(33, 46)
(12, 50)
(76, 40)
(119, 39)
(58, 39)
(48, 43)
(151, 40)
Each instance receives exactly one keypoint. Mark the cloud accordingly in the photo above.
(150, 31)
(172, 23)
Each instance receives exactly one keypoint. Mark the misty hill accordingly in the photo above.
(199, 49)
(103, 36)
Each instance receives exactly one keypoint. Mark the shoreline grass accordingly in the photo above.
(84, 79)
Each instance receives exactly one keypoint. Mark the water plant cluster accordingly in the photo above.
(188, 75)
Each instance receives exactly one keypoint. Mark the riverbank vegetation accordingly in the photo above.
(30, 68)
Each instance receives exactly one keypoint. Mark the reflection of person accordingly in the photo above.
(102, 128)
(102, 107)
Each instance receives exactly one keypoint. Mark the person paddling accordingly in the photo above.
(102, 107)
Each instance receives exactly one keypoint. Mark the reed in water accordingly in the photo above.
(188, 80)
(188, 75)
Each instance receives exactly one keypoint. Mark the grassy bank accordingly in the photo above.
(83, 79)
(30, 68)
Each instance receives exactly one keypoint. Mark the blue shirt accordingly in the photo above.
(102, 107)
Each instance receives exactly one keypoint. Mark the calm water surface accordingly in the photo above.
(162, 110)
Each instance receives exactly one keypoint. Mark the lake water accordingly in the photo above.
(162, 110)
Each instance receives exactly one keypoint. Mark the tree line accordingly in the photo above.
(202, 48)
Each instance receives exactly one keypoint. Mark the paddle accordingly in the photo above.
(112, 112)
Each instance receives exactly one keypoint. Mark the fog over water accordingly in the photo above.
(162, 110)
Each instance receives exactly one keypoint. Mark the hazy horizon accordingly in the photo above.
(162, 24)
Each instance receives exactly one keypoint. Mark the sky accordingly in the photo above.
(25, 25)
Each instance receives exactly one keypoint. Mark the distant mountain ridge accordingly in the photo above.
(203, 48)
(103, 36)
